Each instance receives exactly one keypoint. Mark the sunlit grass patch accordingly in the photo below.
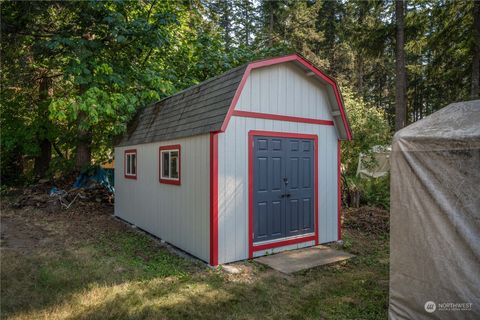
(119, 273)
(138, 252)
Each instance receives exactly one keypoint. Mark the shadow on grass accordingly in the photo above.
(126, 275)
(36, 280)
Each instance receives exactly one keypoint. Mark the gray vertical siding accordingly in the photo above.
(177, 214)
(180, 214)
(285, 90)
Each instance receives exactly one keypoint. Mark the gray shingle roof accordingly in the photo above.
(197, 110)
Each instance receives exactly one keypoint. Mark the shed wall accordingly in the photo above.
(233, 182)
(178, 214)
(284, 89)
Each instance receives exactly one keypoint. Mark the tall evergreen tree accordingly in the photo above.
(74, 73)
(401, 73)
(475, 91)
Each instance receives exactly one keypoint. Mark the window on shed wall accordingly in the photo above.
(170, 164)
(130, 168)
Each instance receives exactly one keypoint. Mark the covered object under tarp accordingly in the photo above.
(435, 216)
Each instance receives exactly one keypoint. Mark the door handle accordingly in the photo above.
(285, 195)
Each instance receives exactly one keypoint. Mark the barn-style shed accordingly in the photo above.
(243, 164)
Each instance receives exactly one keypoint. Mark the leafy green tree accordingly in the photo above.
(27, 77)
(75, 73)
(369, 127)
(108, 67)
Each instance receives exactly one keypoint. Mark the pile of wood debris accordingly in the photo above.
(367, 219)
(51, 195)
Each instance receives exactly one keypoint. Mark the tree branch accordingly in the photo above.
(57, 150)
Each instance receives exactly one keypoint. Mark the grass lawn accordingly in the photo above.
(84, 264)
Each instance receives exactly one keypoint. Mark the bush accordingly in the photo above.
(373, 192)
(376, 192)
(369, 128)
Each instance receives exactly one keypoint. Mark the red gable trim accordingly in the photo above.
(258, 115)
(292, 57)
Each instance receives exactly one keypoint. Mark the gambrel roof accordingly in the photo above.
(208, 106)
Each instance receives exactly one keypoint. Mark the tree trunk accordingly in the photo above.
(401, 73)
(359, 72)
(84, 153)
(270, 25)
(42, 161)
(225, 23)
(247, 22)
(475, 92)
(359, 61)
(83, 156)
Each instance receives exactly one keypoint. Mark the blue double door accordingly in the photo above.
(283, 187)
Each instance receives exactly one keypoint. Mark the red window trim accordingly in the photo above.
(173, 147)
(251, 247)
(130, 176)
(260, 115)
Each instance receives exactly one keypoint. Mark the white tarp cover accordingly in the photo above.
(381, 167)
(435, 216)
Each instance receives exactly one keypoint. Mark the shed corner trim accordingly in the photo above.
(213, 198)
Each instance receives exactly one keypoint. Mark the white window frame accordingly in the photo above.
(169, 150)
(128, 165)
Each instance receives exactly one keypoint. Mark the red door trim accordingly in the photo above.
(304, 62)
(284, 243)
(251, 247)
(339, 191)
(259, 115)
(214, 198)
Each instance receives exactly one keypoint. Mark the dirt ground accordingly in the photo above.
(30, 229)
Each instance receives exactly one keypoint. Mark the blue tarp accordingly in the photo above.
(102, 176)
